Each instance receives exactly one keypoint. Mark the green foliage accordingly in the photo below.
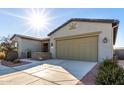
(17, 61)
(110, 73)
(7, 45)
(29, 51)
(11, 56)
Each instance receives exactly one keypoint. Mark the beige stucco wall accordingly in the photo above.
(105, 50)
(18, 40)
(24, 44)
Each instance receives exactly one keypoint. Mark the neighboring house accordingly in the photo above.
(82, 39)
(119, 52)
(24, 43)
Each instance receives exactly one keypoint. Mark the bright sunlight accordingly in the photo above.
(38, 20)
(35, 20)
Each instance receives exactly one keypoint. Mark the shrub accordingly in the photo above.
(110, 73)
(29, 53)
(17, 61)
(2, 55)
(11, 56)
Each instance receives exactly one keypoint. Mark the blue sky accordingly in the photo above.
(10, 24)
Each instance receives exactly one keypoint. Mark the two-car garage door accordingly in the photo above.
(81, 48)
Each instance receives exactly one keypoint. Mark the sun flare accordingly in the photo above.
(35, 20)
(38, 20)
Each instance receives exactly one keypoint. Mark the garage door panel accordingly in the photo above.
(85, 48)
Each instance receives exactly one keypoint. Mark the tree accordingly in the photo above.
(7, 45)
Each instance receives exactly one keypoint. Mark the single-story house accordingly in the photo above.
(76, 39)
(24, 43)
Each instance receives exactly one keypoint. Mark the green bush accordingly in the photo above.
(29, 53)
(17, 61)
(11, 56)
(110, 73)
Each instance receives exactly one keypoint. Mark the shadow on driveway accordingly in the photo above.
(51, 71)
(7, 70)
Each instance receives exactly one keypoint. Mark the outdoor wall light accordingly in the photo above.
(105, 40)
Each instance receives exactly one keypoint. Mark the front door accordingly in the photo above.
(45, 47)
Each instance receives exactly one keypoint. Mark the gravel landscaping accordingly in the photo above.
(11, 64)
(90, 77)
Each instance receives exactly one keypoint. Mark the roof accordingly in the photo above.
(28, 37)
(119, 48)
(113, 21)
(45, 39)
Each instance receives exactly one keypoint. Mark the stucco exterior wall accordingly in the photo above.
(105, 50)
(18, 40)
(25, 44)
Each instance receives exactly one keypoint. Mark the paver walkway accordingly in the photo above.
(48, 72)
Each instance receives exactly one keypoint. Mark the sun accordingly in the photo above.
(38, 20)
(35, 20)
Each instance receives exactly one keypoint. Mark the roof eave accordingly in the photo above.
(86, 20)
(112, 21)
(12, 36)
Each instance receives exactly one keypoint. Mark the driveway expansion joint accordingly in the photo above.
(61, 72)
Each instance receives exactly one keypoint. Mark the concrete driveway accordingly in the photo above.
(48, 72)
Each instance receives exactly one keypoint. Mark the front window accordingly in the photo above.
(15, 45)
